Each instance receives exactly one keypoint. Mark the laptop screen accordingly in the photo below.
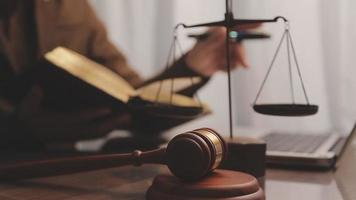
(345, 173)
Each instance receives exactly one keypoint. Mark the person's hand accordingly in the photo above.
(53, 126)
(209, 56)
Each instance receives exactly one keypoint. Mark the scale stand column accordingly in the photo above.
(229, 18)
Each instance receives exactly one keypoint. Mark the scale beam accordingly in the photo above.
(236, 22)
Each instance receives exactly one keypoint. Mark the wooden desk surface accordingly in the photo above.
(132, 183)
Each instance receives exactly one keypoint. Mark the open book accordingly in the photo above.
(72, 81)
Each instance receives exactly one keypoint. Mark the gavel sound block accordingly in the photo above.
(191, 156)
(219, 185)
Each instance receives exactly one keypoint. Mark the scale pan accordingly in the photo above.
(286, 109)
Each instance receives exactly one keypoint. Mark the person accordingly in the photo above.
(30, 28)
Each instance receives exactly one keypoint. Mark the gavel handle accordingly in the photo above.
(69, 165)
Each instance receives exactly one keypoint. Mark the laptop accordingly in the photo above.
(345, 175)
(305, 151)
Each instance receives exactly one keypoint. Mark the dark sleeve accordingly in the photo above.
(180, 69)
(14, 136)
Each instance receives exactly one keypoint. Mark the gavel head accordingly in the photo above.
(193, 155)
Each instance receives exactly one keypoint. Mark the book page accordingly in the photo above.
(91, 72)
(167, 86)
(175, 99)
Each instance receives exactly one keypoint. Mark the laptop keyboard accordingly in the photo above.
(300, 143)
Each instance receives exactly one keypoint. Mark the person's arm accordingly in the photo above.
(206, 58)
(209, 56)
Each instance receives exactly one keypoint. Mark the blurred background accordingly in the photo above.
(324, 33)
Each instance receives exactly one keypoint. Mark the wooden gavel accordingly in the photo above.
(189, 156)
